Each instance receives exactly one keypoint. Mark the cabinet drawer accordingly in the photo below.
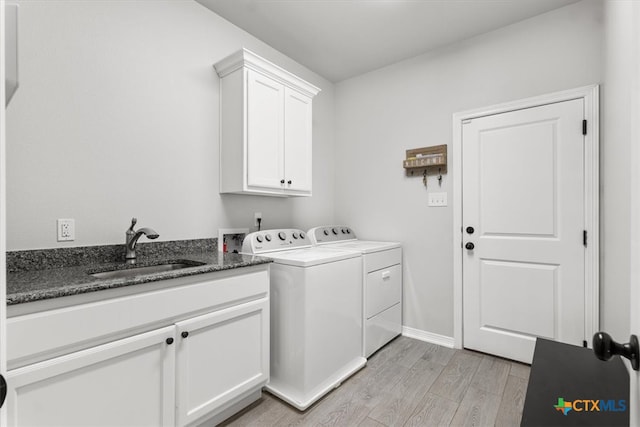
(378, 260)
(46, 334)
(383, 288)
(382, 328)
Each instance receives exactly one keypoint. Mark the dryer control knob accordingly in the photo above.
(268, 237)
(295, 235)
(326, 232)
(302, 235)
(334, 231)
(259, 238)
(282, 235)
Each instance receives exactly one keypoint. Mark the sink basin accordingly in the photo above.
(138, 271)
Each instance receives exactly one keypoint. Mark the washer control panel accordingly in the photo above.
(331, 234)
(275, 240)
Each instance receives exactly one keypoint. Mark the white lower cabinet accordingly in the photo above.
(221, 356)
(187, 370)
(129, 382)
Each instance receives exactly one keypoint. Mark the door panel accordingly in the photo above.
(78, 389)
(523, 192)
(221, 355)
(530, 169)
(265, 126)
(298, 125)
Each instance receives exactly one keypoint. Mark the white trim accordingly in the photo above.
(3, 228)
(247, 59)
(592, 179)
(426, 336)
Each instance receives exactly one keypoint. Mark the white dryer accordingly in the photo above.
(316, 315)
(381, 282)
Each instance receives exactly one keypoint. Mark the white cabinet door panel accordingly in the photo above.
(297, 141)
(126, 382)
(221, 356)
(265, 127)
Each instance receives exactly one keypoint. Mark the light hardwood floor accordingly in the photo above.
(410, 383)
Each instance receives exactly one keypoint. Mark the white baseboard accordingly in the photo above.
(429, 337)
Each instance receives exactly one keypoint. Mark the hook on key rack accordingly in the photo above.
(440, 177)
(424, 178)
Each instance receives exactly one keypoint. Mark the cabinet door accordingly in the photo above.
(126, 382)
(221, 356)
(297, 142)
(265, 127)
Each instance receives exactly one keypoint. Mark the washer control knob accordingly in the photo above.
(334, 231)
(267, 237)
(259, 238)
(326, 232)
(302, 235)
(282, 235)
(295, 234)
(348, 231)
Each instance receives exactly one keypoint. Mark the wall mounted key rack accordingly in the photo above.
(426, 160)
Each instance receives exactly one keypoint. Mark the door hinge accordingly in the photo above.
(584, 238)
(584, 343)
(584, 127)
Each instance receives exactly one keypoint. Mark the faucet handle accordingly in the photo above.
(133, 222)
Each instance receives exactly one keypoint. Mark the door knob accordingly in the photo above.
(470, 246)
(3, 390)
(605, 347)
(470, 230)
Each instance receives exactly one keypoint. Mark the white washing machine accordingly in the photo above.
(316, 315)
(381, 282)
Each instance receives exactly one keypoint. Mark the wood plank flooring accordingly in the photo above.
(410, 383)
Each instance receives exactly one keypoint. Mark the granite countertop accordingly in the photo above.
(46, 274)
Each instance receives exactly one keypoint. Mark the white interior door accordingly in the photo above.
(523, 195)
(3, 281)
(634, 326)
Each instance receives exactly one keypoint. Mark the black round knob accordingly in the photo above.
(470, 246)
(282, 181)
(295, 235)
(470, 230)
(282, 235)
(289, 182)
(185, 334)
(169, 341)
(334, 231)
(268, 237)
(259, 239)
(605, 347)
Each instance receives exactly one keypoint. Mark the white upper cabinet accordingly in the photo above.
(266, 128)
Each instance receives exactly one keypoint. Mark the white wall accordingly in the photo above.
(410, 104)
(117, 116)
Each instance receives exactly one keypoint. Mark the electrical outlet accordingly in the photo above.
(438, 199)
(66, 230)
(256, 218)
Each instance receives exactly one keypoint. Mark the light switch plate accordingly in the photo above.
(438, 199)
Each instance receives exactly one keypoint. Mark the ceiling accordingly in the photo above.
(339, 39)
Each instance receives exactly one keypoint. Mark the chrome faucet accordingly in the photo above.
(132, 237)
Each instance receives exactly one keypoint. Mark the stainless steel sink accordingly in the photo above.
(139, 271)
